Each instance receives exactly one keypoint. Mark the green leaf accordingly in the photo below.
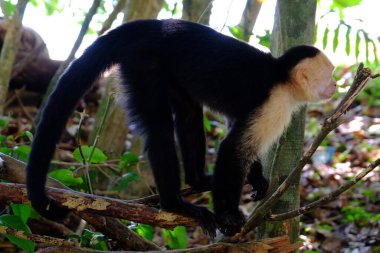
(97, 157)
(127, 160)
(343, 4)
(124, 181)
(367, 50)
(145, 231)
(206, 123)
(375, 51)
(315, 33)
(335, 39)
(4, 122)
(264, 40)
(348, 44)
(325, 37)
(237, 32)
(357, 45)
(66, 176)
(26, 134)
(21, 152)
(176, 238)
(5, 150)
(16, 223)
(95, 240)
(23, 211)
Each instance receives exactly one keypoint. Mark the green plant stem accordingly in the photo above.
(109, 100)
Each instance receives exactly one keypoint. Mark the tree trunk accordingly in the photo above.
(294, 25)
(248, 19)
(9, 50)
(198, 11)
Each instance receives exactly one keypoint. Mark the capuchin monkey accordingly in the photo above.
(170, 70)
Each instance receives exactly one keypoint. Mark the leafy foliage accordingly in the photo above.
(176, 238)
(18, 221)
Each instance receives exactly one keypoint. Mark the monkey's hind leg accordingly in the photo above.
(188, 123)
(149, 105)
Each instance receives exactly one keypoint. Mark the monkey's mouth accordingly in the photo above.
(329, 92)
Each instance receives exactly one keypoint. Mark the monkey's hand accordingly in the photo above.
(230, 223)
(206, 219)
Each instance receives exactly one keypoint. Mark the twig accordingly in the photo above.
(4, 11)
(362, 77)
(22, 106)
(116, 10)
(331, 196)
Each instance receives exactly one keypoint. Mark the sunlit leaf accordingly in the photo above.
(264, 40)
(97, 157)
(66, 177)
(21, 152)
(348, 42)
(237, 32)
(145, 231)
(335, 39)
(176, 238)
(357, 45)
(325, 37)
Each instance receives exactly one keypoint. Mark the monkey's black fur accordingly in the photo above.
(171, 69)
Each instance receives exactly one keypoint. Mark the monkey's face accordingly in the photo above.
(314, 77)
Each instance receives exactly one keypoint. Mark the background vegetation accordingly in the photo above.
(98, 154)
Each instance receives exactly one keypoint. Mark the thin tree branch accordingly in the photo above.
(4, 11)
(78, 42)
(362, 77)
(111, 18)
(43, 241)
(272, 245)
(331, 196)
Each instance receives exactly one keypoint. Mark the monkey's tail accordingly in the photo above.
(71, 86)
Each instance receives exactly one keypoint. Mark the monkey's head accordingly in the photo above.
(313, 79)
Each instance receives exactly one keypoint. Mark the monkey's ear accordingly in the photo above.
(301, 76)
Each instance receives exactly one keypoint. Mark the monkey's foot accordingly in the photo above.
(231, 223)
(203, 183)
(259, 188)
(206, 219)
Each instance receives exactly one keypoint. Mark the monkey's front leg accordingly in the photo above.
(228, 182)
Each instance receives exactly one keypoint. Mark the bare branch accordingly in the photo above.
(333, 195)
(43, 241)
(272, 245)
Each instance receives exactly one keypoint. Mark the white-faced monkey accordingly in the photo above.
(170, 70)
